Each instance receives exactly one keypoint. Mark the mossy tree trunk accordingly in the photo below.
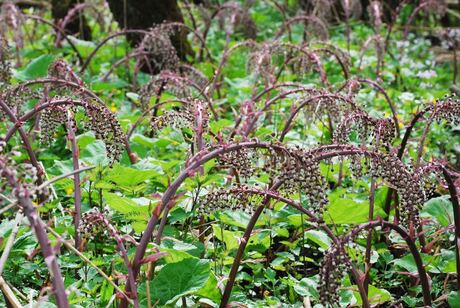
(143, 14)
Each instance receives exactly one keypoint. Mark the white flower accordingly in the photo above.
(427, 74)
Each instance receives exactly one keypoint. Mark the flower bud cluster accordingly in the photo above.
(99, 120)
(106, 127)
(185, 117)
(380, 131)
(157, 43)
(50, 119)
(5, 64)
(408, 186)
(333, 269)
(165, 81)
(300, 173)
(19, 180)
(240, 160)
(448, 110)
(11, 18)
(236, 198)
(95, 224)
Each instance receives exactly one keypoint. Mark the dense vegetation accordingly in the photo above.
(286, 157)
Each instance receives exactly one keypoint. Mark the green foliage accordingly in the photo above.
(281, 264)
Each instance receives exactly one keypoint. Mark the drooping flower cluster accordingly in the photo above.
(260, 60)
(194, 76)
(60, 69)
(409, 186)
(297, 170)
(333, 269)
(375, 13)
(106, 127)
(300, 173)
(165, 81)
(235, 198)
(438, 7)
(95, 224)
(240, 160)
(11, 18)
(381, 131)
(352, 8)
(448, 110)
(5, 64)
(193, 115)
(50, 119)
(99, 120)
(161, 53)
(19, 180)
(233, 17)
(318, 103)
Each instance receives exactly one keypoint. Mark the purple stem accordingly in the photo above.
(76, 179)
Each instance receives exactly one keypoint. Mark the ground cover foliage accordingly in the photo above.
(299, 156)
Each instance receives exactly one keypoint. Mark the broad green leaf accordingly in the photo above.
(408, 263)
(83, 47)
(319, 237)
(454, 299)
(36, 68)
(210, 290)
(129, 208)
(306, 287)
(179, 279)
(230, 238)
(114, 83)
(376, 296)
(348, 211)
(129, 177)
(94, 153)
(439, 208)
(175, 255)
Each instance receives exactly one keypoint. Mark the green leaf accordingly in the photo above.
(439, 208)
(348, 211)
(319, 237)
(408, 263)
(94, 153)
(306, 287)
(179, 279)
(83, 47)
(126, 206)
(454, 299)
(36, 68)
(210, 290)
(175, 256)
(125, 176)
(376, 296)
(230, 238)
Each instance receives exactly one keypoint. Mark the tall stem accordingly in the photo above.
(456, 209)
(76, 177)
(369, 236)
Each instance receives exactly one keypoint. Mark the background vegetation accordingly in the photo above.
(232, 154)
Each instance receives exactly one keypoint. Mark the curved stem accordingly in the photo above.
(287, 125)
(387, 98)
(59, 30)
(104, 41)
(25, 140)
(270, 194)
(423, 276)
(239, 254)
(76, 178)
(456, 210)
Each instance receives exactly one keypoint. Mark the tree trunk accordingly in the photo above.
(60, 9)
(144, 14)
